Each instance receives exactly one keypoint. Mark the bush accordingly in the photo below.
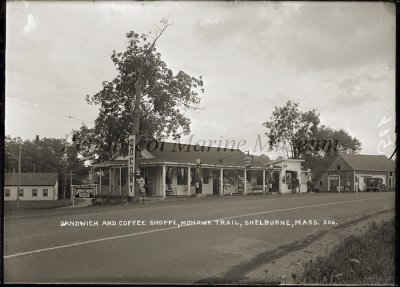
(364, 259)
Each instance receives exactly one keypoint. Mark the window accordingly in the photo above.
(182, 176)
(391, 173)
(21, 192)
(390, 182)
(206, 176)
(7, 193)
(34, 192)
(168, 175)
(259, 180)
(45, 192)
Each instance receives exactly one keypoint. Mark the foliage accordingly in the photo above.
(364, 259)
(45, 155)
(165, 99)
(288, 127)
(302, 136)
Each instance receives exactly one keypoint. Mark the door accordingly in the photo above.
(276, 181)
(216, 182)
(333, 185)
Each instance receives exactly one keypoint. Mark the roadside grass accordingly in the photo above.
(10, 206)
(368, 258)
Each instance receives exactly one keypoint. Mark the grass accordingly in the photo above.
(368, 258)
(10, 206)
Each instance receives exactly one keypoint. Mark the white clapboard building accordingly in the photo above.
(33, 186)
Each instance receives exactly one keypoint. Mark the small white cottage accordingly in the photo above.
(284, 175)
(33, 186)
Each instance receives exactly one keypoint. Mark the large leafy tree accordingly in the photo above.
(163, 98)
(301, 134)
(288, 127)
(303, 137)
(331, 143)
(45, 155)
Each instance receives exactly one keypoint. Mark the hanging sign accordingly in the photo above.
(248, 161)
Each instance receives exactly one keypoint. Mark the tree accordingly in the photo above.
(344, 142)
(144, 82)
(322, 156)
(301, 134)
(45, 155)
(288, 127)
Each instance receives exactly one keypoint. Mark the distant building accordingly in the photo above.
(285, 173)
(33, 186)
(354, 172)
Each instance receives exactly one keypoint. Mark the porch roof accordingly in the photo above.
(174, 154)
(124, 163)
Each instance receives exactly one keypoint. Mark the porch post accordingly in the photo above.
(263, 185)
(101, 171)
(92, 175)
(245, 182)
(221, 182)
(163, 179)
(329, 184)
(354, 181)
(120, 182)
(188, 181)
(109, 182)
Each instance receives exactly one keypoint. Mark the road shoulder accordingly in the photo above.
(282, 270)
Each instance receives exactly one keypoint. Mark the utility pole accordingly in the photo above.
(72, 194)
(65, 185)
(133, 160)
(19, 174)
(34, 169)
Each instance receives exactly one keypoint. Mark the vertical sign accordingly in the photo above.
(131, 165)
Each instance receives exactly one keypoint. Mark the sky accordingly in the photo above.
(337, 58)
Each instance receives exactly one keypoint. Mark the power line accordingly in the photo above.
(48, 111)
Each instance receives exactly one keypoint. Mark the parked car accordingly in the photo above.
(375, 184)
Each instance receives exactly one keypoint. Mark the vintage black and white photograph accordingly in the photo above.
(200, 142)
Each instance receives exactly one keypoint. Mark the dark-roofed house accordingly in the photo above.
(170, 169)
(33, 186)
(355, 172)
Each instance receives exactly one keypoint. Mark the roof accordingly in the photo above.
(167, 152)
(285, 159)
(173, 152)
(30, 178)
(364, 162)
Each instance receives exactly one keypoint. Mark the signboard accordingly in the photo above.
(333, 177)
(131, 165)
(248, 161)
(84, 192)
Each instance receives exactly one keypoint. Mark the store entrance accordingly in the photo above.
(292, 181)
(275, 181)
(216, 181)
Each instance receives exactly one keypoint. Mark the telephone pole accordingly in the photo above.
(19, 174)
(65, 185)
(133, 159)
(71, 191)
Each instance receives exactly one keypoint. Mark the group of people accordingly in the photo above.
(296, 186)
